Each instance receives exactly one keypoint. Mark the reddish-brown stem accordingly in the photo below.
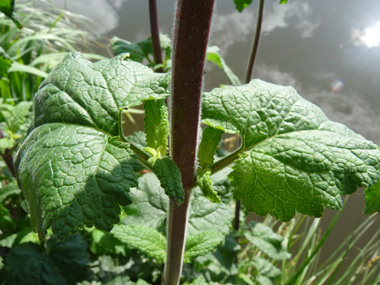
(255, 44)
(255, 47)
(191, 31)
(155, 34)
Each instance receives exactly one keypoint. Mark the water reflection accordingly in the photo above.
(369, 37)
(295, 14)
(306, 44)
(102, 12)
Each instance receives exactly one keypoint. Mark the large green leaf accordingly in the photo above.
(91, 94)
(73, 169)
(295, 158)
(201, 244)
(267, 241)
(266, 268)
(147, 240)
(73, 176)
(63, 262)
(150, 204)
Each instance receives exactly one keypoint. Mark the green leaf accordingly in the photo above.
(7, 7)
(156, 125)
(213, 55)
(296, 159)
(91, 94)
(201, 244)
(205, 183)
(11, 189)
(6, 143)
(37, 267)
(136, 53)
(199, 281)
(19, 67)
(105, 243)
(138, 138)
(170, 179)
(263, 280)
(207, 148)
(372, 199)
(1, 263)
(73, 176)
(283, 1)
(266, 268)
(241, 4)
(16, 116)
(147, 240)
(5, 61)
(270, 243)
(72, 168)
(150, 204)
(140, 50)
(63, 262)
(70, 256)
(208, 216)
(120, 280)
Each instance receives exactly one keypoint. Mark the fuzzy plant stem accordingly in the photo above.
(155, 34)
(251, 63)
(191, 32)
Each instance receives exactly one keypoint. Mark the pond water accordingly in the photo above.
(328, 50)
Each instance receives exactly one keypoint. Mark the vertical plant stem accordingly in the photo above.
(155, 34)
(255, 44)
(191, 32)
(250, 66)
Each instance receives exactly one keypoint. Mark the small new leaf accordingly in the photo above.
(147, 240)
(213, 55)
(205, 183)
(201, 244)
(156, 125)
(207, 148)
(170, 179)
(241, 4)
